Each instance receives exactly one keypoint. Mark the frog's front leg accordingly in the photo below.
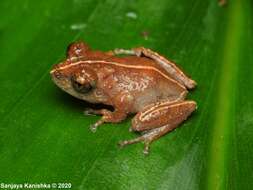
(159, 119)
(168, 65)
(122, 104)
(107, 117)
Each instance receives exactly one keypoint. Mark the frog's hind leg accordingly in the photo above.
(168, 65)
(157, 120)
(148, 137)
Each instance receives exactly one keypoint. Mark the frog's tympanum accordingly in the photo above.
(131, 81)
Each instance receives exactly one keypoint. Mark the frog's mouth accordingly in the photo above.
(64, 84)
(60, 81)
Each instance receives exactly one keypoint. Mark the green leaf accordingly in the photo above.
(44, 137)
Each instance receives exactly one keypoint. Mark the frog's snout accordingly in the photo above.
(56, 74)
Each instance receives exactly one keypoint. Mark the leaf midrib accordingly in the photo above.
(223, 124)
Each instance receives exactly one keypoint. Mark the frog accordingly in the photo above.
(136, 81)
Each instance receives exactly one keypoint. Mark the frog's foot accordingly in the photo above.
(89, 111)
(123, 51)
(136, 140)
(107, 117)
(77, 49)
(148, 137)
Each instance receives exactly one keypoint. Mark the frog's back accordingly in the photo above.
(130, 61)
(145, 84)
(137, 62)
(160, 88)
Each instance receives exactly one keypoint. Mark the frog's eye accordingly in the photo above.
(81, 87)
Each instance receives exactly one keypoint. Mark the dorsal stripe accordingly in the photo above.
(118, 64)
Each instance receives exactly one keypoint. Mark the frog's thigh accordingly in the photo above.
(163, 113)
(157, 121)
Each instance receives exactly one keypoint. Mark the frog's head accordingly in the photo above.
(78, 79)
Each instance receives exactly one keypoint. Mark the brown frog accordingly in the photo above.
(131, 81)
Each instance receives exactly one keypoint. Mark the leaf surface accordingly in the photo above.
(44, 137)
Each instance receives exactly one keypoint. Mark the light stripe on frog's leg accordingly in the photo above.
(168, 65)
(172, 113)
(154, 106)
(149, 114)
(121, 65)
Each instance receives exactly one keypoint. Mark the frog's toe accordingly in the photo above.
(94, 126)
(131, 141)
(121, 144)
(146, 148)
(88, 111)
(136, 140)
